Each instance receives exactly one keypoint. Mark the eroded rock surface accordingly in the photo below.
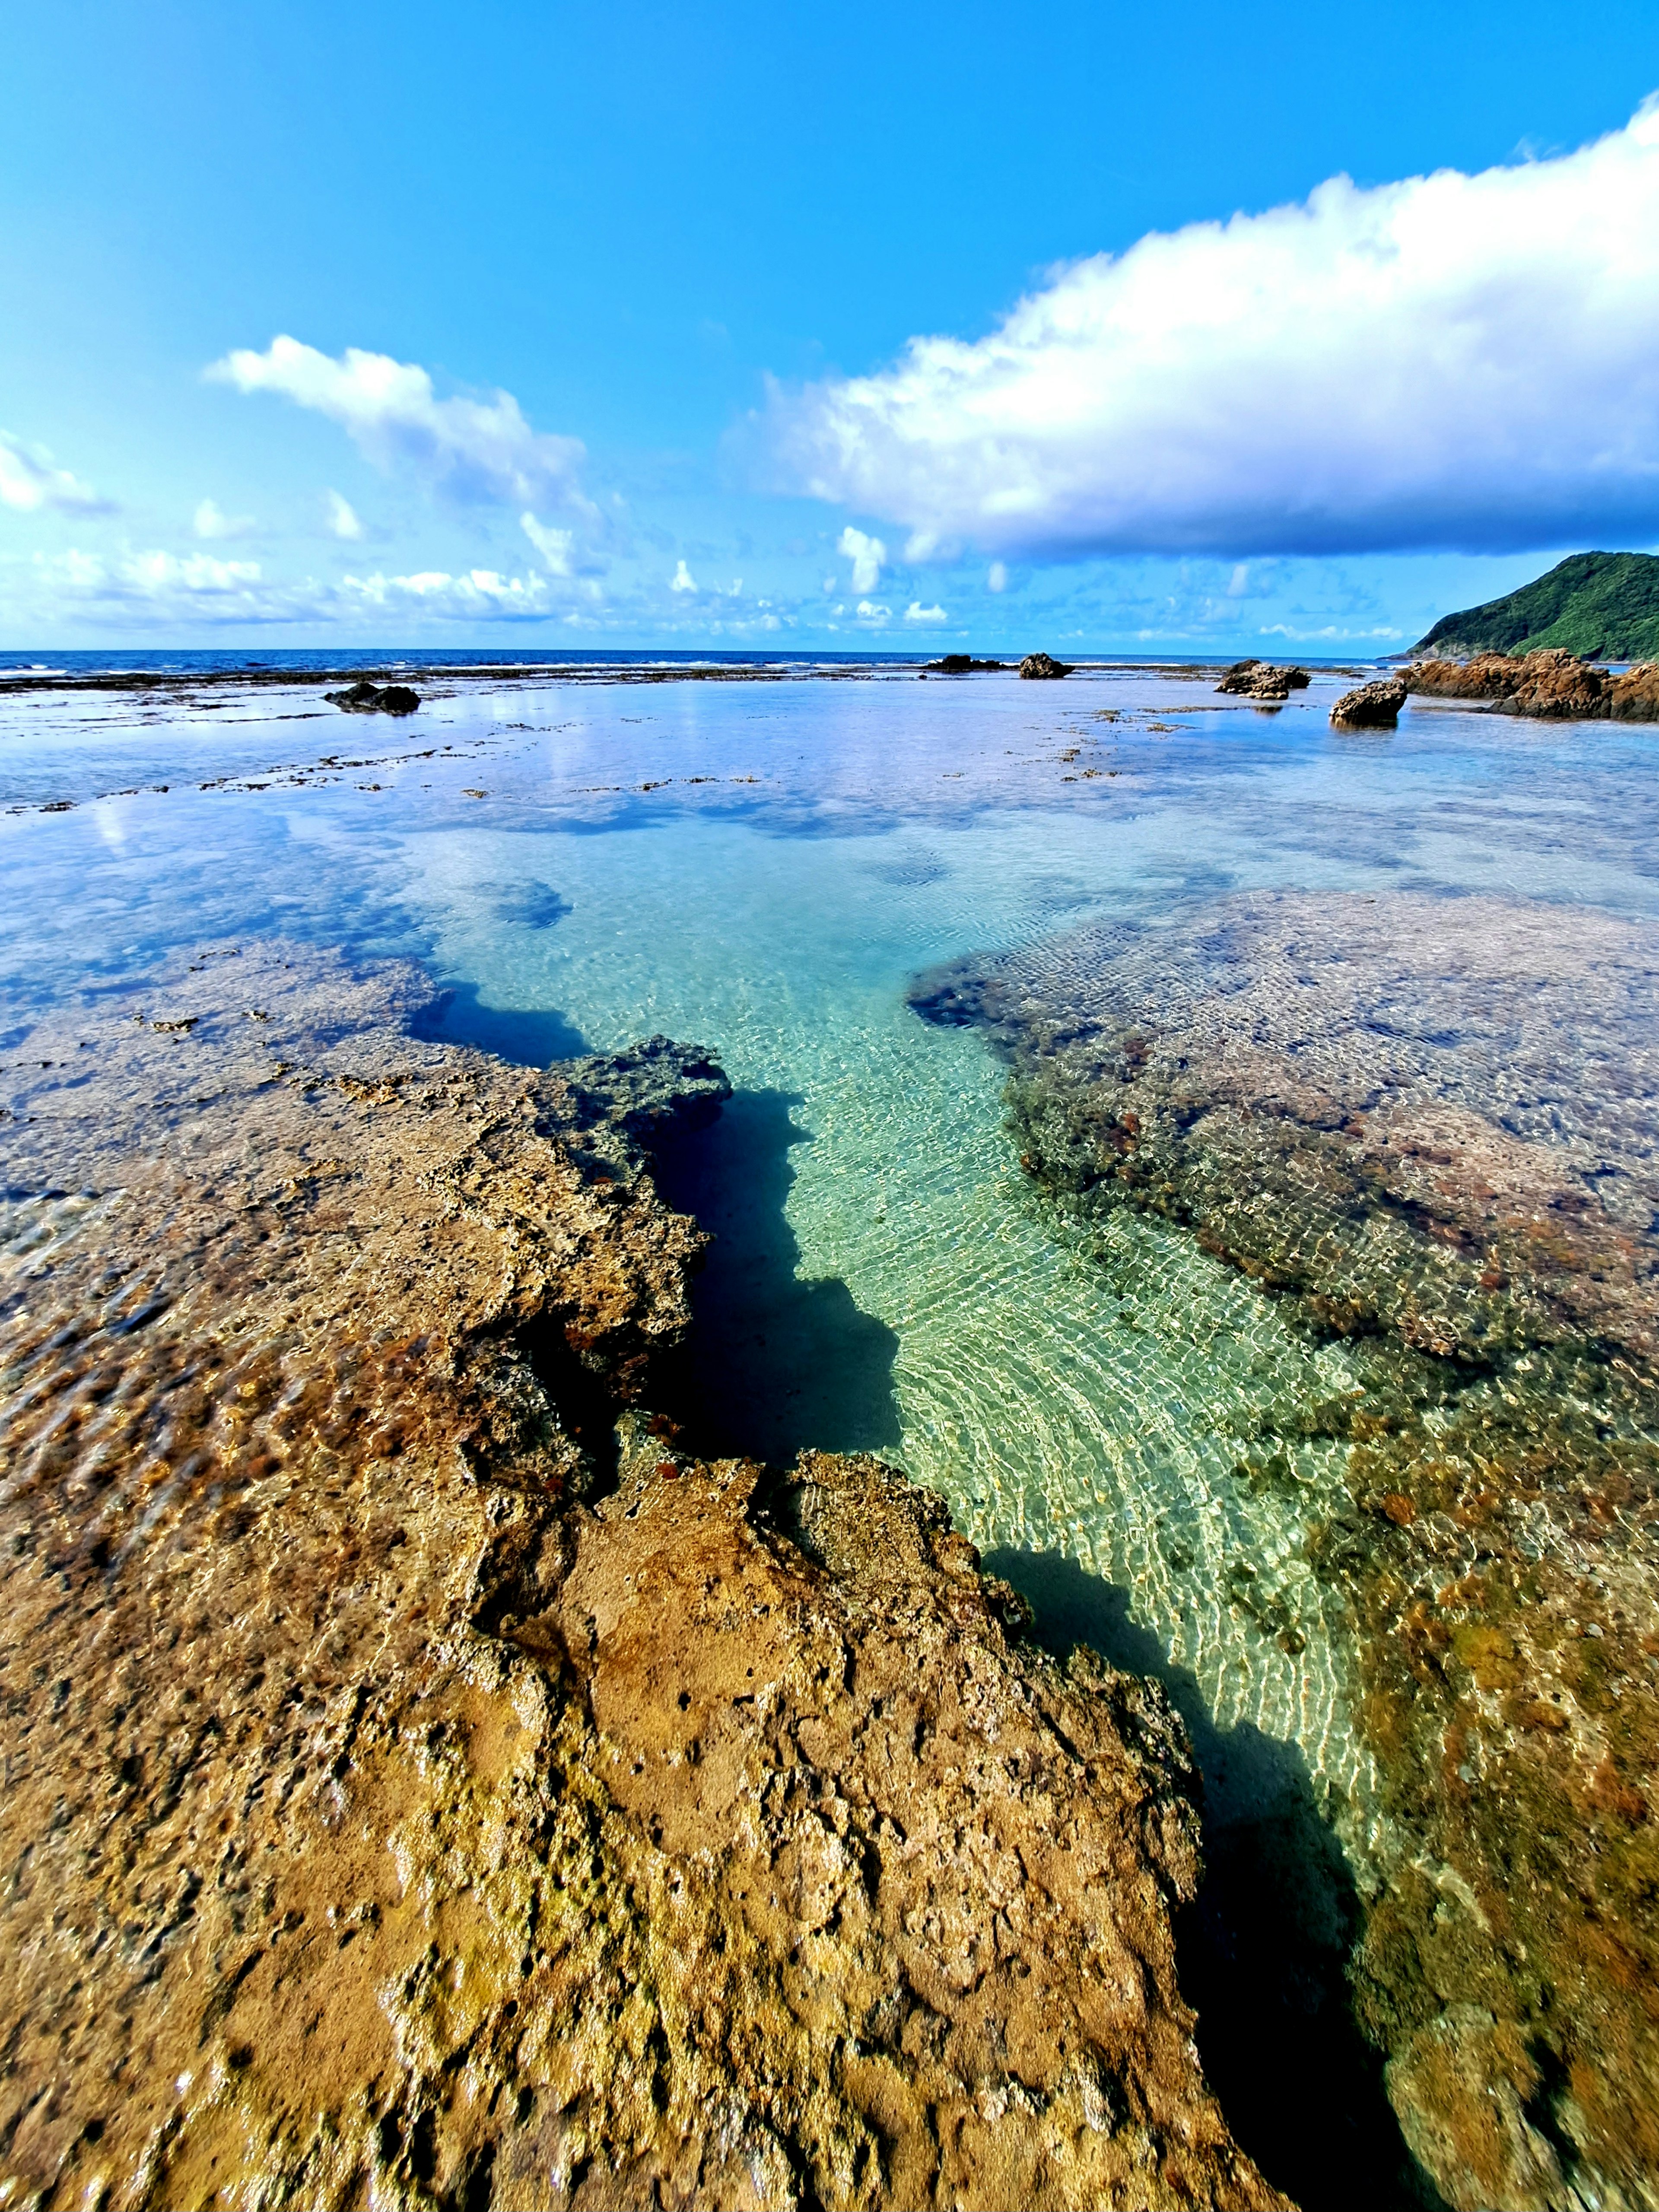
(1550, 685)
(425, 1783)
(1431, 1129)
(1371, 707)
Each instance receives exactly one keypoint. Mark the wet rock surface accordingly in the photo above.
(1262, 679)
(1555, 685)
(1371, 707)
(1042, 666)
(1427, 1128)
(429, 1784)
(364, 697)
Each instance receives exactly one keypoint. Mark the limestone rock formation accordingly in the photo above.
(1552, 686)
(1371, 707)
(363, 697)
(1428, 1129)
(1043, 667)
(1263, 679)
(430, 1784)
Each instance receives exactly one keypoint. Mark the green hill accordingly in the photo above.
(1602, 604)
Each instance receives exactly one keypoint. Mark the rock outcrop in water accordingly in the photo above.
(1429, 1130)
(363, 697)
(1263, 679)
(1043, 667)
(1371, 707)
(430, 1784)
(1553, 686)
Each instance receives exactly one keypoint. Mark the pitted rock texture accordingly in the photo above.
(1430, 1128)
(1552, 685)
(427, 1785)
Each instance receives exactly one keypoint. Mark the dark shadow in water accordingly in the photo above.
(1263, 1951)
(528, 1036)
(771, 1364)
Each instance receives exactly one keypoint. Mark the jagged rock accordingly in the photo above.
(1635, 694)
(1555, 685)
(1043, 665)
(1372, 707)
(1261, 679)
(960, 664)
(430, 1784)
(365, 698)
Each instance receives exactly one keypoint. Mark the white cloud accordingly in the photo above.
(556, 547)
(1453, 361)
(1239, 582)
(210, 522)
(869, 613)
(474, 449)
(30, 479)
(342, 517)
(996, 577)
(683, 580)
(867, 554)
(480, 593)
(915, 612)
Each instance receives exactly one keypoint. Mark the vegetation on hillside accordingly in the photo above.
(1606, 604)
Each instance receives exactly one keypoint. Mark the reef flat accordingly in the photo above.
(1426, 1127)
(429, 1784)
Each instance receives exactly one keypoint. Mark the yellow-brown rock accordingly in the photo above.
(426, 1785)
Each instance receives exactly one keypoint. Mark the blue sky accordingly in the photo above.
(695, 248)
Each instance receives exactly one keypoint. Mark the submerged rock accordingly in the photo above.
(1043, 667)
(1429, 1130)
(365, 698)
(429, 1783)
(1372, 707)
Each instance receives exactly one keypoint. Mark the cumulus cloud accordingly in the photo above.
(683, 581)
(342, 517)
(211, 522)
(1453, 361)
(481, 593)
(473, 449)
(30, 479)
(867, 554)
(996, 577)
(915, 612)
(869, 612)
(160, 588)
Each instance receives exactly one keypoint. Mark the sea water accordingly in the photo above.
(762, 867)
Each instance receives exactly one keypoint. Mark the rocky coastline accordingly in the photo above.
(1550, 685)
(428, 1781)
(1426, 1128)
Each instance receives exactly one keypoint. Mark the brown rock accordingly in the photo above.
(1635, 696)
(428, 1784)
(1043, 667)
(1552, 686)
(1372, 707)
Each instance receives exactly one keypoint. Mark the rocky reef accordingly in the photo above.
(1427, 1129)
(1552, 685)
(429, 1783)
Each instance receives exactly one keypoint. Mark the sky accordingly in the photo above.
(1280, 330)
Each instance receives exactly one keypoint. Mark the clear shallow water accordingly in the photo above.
(883, 1277)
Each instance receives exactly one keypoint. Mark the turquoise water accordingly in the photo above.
(883, 1277)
